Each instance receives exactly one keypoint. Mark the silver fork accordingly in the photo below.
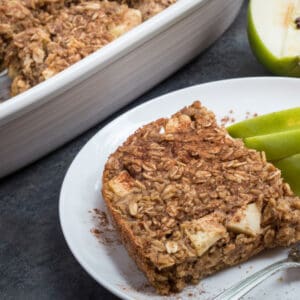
(243, 287)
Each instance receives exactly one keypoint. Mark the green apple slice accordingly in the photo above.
(274, 35)
(290, 170)
(279, 121)
(276, 145)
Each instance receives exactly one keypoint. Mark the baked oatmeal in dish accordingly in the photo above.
(39, 38)
(149, 8)
(188, 200)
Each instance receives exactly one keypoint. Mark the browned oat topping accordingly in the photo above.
(189, 200)
(39, 38)
(149, 8)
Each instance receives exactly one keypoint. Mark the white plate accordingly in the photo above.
(108, 263)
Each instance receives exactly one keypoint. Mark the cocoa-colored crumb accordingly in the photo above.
(224, 121)
(102, 217)
(104, 230)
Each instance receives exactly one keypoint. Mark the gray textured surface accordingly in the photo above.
(35, 262)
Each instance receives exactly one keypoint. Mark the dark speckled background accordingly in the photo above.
(35, 262)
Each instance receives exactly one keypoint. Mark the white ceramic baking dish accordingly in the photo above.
(55, 111)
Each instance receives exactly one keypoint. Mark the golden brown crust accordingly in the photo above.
(188, 200)
(149, 8)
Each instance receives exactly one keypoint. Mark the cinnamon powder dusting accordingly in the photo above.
(103, 229)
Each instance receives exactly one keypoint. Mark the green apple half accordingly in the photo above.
(274, 36)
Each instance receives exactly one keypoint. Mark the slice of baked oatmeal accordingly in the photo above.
(188, 200)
